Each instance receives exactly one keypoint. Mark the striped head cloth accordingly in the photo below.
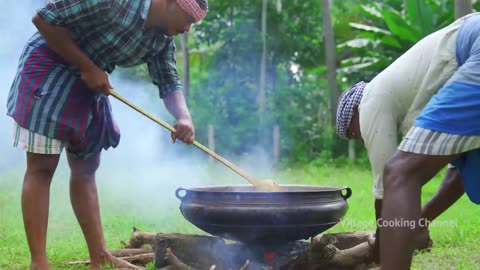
(348, 100)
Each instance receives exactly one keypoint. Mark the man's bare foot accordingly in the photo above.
(114, 262)
(39, 266)
(422, 240)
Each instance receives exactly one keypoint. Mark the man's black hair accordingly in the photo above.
(203, 4)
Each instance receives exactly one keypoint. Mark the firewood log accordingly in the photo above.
(174, 251)
(129, 251)
(138, 239)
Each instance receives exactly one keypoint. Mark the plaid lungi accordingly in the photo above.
(424, 141)
(430, 142)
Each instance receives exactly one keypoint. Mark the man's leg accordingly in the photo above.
(35, 203)
(83, 195)
(405, 174)
(449, 192)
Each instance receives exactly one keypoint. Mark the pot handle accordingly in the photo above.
(348, 194)
(177, 193)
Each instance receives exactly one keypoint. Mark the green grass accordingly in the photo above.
(127, 201)
(455, 233)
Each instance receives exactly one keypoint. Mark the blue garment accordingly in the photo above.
(468, 167)
(455, 109)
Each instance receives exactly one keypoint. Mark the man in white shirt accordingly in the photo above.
(375, 113)
(447, 131)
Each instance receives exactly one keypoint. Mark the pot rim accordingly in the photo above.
(308, 188)
(305, 189)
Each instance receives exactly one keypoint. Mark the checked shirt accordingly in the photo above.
(47, 95)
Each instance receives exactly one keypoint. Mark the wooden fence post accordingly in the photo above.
(211, 140)
(276, 144)
(351, 150)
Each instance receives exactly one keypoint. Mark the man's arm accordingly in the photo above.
(59, 40)
(378, 127)
(162, 69)
(449, 192)
(176, 105)
(379, 132)
(52, 22)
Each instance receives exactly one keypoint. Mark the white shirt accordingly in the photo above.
(394, 98)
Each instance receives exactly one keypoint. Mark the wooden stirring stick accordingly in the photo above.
(225, 162)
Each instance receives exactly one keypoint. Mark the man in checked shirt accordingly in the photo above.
(59, 99)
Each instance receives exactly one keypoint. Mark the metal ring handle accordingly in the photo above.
(177, 193)
(348, 194)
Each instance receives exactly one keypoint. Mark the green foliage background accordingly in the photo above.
(225, 57)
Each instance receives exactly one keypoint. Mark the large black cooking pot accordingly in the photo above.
(243, 214)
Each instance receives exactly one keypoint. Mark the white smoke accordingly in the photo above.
(15, 29)
(146, 168)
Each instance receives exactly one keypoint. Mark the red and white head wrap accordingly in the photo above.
(193, 9)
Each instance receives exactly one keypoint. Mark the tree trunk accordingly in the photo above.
(329, 40)
(351, 150)
(462, 8)
(261, 99)
(330, 48)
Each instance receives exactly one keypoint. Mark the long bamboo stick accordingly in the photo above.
(225, 162)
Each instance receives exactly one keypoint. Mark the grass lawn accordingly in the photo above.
(153, 207)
